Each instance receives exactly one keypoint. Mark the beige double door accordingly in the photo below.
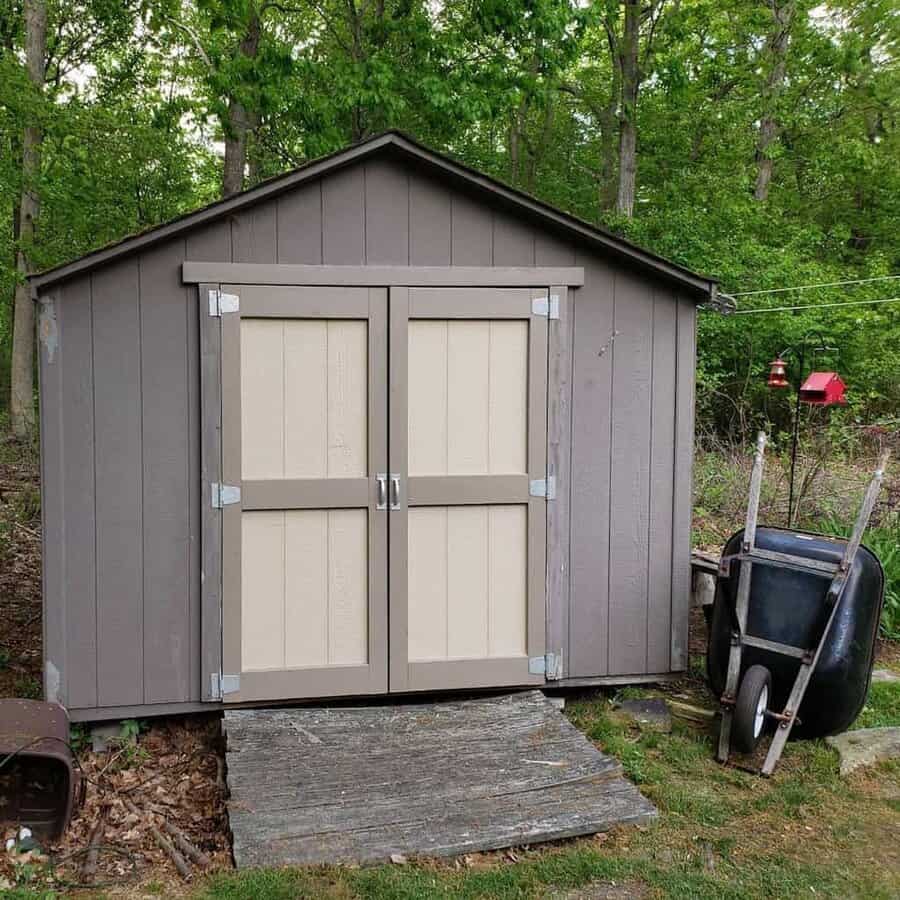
(386, 444)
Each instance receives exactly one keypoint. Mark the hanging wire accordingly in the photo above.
(810, 287)
(775, 309)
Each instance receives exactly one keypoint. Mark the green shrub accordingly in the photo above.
(884, 541)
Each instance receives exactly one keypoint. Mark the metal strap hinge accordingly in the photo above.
(224, 494)
(219, 685)
(220, 302)
(549, 665)
(548, 307)
(543, 487)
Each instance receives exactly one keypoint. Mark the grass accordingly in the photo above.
(882, 707)
(722, 833)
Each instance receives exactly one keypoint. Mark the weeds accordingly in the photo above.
(28, 688)
(830, 497)
(79, 738)
(884, 541)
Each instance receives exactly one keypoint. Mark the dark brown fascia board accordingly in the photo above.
(457, 173)
(211, 212)
(563, 223)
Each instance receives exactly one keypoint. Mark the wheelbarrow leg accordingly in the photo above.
(833, 598)
(742, 602)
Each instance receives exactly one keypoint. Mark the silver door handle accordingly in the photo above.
(395, 492)
(381, 491)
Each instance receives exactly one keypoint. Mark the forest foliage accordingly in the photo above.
(753, 140)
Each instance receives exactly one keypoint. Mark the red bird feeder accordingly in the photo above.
(777, 374)
(823, 389)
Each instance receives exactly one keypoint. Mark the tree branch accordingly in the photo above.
(195, 39)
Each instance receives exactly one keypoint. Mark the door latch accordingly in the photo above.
(395, 491)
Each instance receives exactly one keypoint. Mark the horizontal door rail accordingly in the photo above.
(196, 272)
(305, 493)
(457, 490)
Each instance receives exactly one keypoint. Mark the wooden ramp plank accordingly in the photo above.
(357, 784)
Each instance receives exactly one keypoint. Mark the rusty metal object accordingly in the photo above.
(39, 785)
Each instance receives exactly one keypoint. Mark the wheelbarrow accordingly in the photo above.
(792, 637)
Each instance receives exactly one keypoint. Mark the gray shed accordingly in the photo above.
(379, 425)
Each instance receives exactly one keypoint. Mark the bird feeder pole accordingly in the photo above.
(778, 379)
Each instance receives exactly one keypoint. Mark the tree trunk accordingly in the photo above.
(253, 150)
(21, 402)
(631, 80)
(240, 121)
(608, 148)
(536, 157)
(778, 41)
(358, 122)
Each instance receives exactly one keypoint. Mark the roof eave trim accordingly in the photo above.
(209, 213)
(702, 288)
(570, 224)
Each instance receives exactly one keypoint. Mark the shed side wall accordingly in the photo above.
(120, 402)
(631, 474)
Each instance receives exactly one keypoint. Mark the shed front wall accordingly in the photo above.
(120, 423)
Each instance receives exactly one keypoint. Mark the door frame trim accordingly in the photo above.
(222, 420)
(218, 462)
(405, 675)
(210, 472)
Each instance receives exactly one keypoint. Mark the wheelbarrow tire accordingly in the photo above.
(753, 700)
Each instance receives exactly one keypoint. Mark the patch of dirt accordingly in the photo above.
(171, 773)
(607, 890)
(698, 632)
(887, 654)
(20, 573)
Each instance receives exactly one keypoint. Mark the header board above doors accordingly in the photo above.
(384, 276)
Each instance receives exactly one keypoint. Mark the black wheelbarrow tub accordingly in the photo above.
(788, 607)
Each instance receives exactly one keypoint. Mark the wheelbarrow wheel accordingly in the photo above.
(750, 709)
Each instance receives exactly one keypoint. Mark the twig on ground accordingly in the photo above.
(161, 840)
(28, 530)
(220, 776)
(190, 850)
(89, 869)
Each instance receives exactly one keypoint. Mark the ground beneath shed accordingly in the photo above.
(365, 784)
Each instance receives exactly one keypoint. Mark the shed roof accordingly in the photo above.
(818, 381)
(410, 150)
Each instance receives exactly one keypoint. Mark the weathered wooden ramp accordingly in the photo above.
(344, 785)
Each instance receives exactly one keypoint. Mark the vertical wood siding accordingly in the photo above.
(630, 475)
(54, 620)
(165, 427)
(468, 582)
(662, 456)
(118, 462)
(590, 487)
(299, 217)
(120, 421)
(684, 455)
(468, 397)
(430, 224)
(631, 488)
(80, 578)
(305, 574)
